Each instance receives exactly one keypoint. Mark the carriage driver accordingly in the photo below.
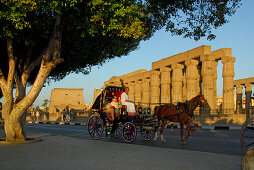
(125, 100)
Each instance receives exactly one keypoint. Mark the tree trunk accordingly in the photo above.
(14, 130)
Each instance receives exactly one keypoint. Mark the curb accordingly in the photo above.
(27, 141)
(57, 123)
(175, 125)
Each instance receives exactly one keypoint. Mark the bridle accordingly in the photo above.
(202, 101)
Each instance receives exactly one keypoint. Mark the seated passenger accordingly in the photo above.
(113, 108)
(126, 101)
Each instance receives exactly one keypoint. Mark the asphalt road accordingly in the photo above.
(213, 141)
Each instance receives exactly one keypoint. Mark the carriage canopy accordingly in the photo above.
(107, 95)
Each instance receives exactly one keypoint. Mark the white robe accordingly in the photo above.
(130, 106)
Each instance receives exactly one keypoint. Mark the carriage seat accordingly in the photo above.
(124, 108)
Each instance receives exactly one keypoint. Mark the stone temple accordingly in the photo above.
(183, 76)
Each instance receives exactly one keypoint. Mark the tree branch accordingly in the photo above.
(53, 49)
(2, 80)
(12, 64)
(50, 58)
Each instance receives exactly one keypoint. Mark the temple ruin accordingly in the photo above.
(244, 85)
(182, 77)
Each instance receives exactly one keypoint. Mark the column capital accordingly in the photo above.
(165, 69)
(227, 59)
(131, 83)
(207, 57)
(145, 80)
(191, 62)
(138, 81)
(216, 64)
(248, 87)
(155, 72)
(239, 89)
(177, 65)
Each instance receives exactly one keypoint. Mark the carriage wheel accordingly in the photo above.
(247, 134)
(147, 134)
(118, 131)
(129, 132)
(95, 126)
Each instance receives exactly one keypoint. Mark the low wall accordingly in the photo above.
(58, 116)
(234, 119)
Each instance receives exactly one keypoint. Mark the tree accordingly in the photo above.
(45, 103)
(47, 40)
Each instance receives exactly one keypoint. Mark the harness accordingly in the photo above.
(178, 113)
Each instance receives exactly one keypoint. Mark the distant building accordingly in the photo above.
(64, 98)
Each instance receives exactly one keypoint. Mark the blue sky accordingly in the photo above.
(238, 34)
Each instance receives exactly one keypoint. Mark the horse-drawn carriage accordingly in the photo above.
(124, 125)
(127, 126)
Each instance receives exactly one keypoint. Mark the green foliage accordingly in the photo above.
(95, 31)
(45, 102)
(125, 16)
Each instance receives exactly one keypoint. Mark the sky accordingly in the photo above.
(238, 35)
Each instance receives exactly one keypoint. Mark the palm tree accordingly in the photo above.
(45, 103)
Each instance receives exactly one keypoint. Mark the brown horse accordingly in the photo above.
(181, 113)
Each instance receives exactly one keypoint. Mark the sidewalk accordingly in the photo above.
(59, 152)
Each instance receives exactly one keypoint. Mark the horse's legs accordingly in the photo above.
(161, 131)
(156, 131)
(182, 140)
(188, 127)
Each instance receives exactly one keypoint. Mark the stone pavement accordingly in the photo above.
(60, 152)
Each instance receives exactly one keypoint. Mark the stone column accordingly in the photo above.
(192, 77)
(165, 85)
(177, 83)
(239, 104)
(248, 92)
(137, 90)
(154, 89)
(131, 92)
(199, 78)
(228, 84)
(215, 86)
(145, 89)
(184, 86)
(208, 88)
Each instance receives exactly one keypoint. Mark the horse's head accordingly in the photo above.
(201, 100)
